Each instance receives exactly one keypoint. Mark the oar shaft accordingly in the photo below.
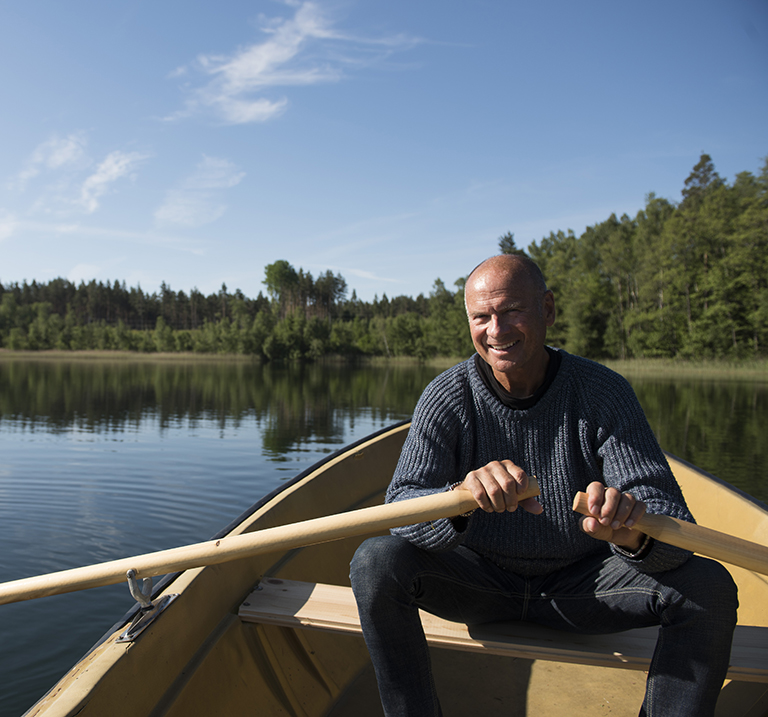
(285, 537)
(696, 538)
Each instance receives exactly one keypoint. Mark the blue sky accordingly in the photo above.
(392, 142)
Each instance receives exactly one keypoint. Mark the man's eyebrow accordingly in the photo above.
(506, 307)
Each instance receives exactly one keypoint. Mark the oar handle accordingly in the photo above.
(285, 537)
(696, 538)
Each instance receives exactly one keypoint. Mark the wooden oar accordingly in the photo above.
(696, 538)
(309, 532)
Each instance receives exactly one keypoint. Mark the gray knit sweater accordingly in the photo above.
(588, 426)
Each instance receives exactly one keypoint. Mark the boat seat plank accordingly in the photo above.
(332, 607)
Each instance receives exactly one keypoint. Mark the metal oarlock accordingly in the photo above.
(148, 611)
(142, 594)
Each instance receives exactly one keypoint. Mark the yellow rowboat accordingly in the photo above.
(222, 647)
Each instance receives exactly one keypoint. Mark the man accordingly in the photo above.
(520, 408)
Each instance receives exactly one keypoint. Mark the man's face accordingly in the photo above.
(508, 320)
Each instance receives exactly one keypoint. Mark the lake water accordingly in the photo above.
(100, 460)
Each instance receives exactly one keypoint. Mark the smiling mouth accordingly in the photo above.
(503, 347)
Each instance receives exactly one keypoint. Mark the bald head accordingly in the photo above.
(511, 269)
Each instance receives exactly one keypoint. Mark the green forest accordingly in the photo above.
(684, 279)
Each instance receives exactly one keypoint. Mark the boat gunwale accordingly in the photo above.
(720, 481)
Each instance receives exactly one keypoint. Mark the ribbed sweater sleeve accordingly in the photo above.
(588, 426)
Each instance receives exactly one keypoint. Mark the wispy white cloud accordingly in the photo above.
(62, 177)
(116, 165)
(197, 200)
(305, 49)
(54, 153)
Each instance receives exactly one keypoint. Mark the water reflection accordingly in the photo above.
(294, 403)
(718, 426)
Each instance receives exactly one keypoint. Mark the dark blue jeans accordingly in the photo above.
(694, 604)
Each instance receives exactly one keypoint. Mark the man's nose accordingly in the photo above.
(495, 328)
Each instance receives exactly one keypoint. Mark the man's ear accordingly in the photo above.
(549, 308)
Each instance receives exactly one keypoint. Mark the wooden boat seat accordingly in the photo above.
(332, 607)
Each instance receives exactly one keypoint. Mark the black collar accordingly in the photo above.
(518, 404)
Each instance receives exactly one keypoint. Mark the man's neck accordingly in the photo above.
(519, 404)
(528, 382)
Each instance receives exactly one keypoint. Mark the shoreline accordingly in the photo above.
(106, 356)
(714, 369)
(756, 370)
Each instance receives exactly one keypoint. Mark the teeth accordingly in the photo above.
(501, 347)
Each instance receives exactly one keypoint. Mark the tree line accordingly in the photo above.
(302, 317)
(687, 279)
